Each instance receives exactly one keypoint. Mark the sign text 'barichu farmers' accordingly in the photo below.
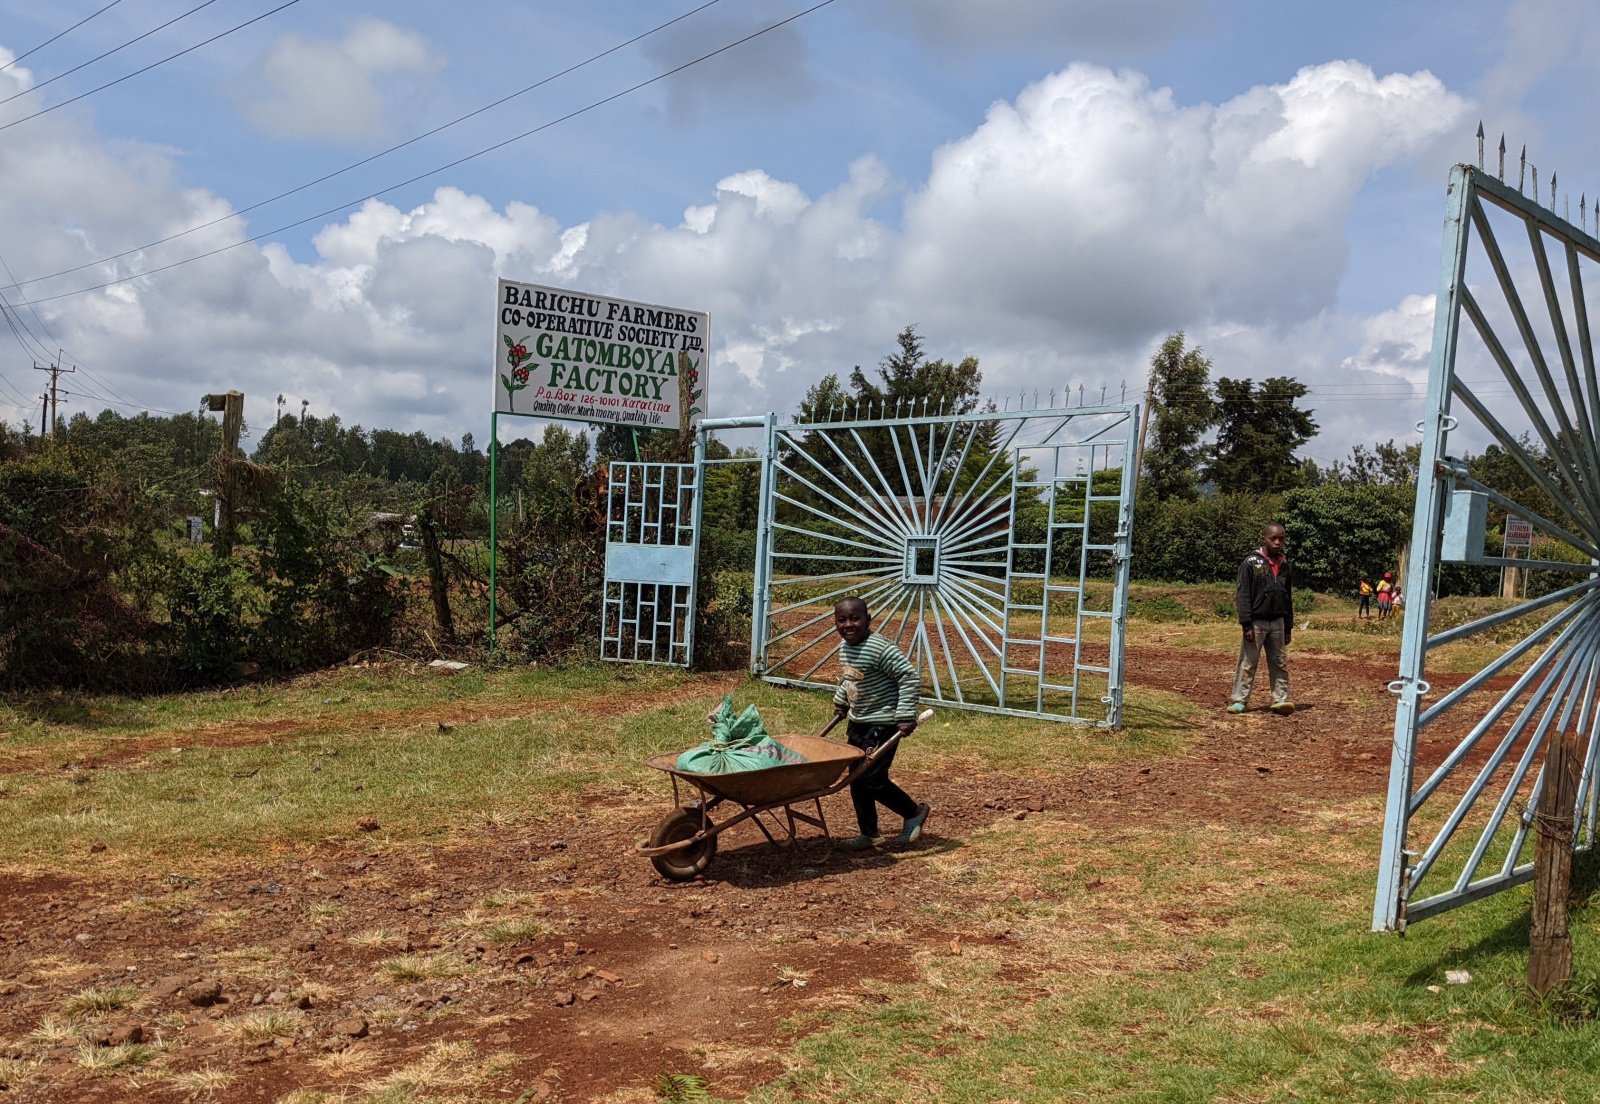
(569, 354)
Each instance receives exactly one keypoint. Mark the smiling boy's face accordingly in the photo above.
(852, 621)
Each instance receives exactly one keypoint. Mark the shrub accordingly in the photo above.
(1340, 531)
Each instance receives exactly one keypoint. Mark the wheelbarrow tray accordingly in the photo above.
(827, 762)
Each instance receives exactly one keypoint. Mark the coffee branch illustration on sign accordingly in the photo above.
(516, 353)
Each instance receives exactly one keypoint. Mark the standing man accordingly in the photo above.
(1266, 614)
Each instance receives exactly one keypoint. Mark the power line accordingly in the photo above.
(44, 350)
(367, 160)
(108, 53)
(442, 168)
(147, 68)
(53, 37)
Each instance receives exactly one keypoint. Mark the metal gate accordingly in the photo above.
(992, 547)
(1518, 388)
(652, 532)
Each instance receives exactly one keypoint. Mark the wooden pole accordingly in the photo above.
(1550, 940)
(231, 406)
(438, 587)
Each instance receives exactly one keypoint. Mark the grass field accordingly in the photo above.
(1091, 949)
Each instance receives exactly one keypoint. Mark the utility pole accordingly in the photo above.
(56, 372)
(44, 410)
(231, 406)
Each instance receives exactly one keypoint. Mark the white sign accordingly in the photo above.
(570, 354)
(1519, 533)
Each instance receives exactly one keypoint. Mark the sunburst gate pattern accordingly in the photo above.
(992, 547)
(1508, 456)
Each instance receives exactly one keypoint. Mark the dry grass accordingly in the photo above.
(50, 1031)
(225, 921)
(91, 1002)
(16, 1073)
(508, 898)
(445, 1066)
(409, 968)
(262, 1027)
(514, 931)
(353, 1061)
(102, 1060)
(377, 939)
(204, 1083)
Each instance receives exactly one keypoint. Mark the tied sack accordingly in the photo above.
(739, 742)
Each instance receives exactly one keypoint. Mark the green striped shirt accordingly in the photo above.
(879, 684)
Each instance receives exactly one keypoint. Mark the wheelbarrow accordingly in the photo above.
(684, 843)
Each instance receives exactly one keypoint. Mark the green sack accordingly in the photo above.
(739, 742)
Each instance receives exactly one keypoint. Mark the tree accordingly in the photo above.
(1387, 464)
(1182, 409)
(1258, 431)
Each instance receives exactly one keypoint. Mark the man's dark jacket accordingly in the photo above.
(1262, 595)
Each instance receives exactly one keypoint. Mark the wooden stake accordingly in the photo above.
(1550, 941)
(230, 404)
(438, 587)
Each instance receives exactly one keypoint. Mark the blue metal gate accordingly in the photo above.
(1521, 382)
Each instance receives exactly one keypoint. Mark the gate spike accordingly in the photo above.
(1502, 157)
(1522, 167)
(1102, 394)
(1535, 169)
(1583, 207)
(1480, 143)
(1080, 394)
(1124, 398)
(1552, 189)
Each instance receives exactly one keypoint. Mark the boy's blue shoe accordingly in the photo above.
(862, 843)
(1236, 707)
(913, 829)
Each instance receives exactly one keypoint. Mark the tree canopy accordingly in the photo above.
(1182, 410)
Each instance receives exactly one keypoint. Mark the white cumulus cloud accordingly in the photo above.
(334, 91)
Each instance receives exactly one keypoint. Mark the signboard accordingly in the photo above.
(591, 358)
(1519, 533)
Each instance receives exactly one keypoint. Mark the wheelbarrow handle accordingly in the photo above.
(877, 753)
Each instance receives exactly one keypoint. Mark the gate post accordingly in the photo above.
(761, 598)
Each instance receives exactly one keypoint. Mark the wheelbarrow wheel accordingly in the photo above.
(680, 866)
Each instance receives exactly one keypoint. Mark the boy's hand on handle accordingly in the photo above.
(1249, 634)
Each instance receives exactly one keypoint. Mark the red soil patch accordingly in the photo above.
(629, 976)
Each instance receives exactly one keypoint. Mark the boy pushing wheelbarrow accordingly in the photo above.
(878, 696)
(878, 693)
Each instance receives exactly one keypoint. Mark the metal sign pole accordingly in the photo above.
(494, 545)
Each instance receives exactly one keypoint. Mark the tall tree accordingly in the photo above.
(1258, 430)
(1182, 409)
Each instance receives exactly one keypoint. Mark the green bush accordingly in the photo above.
(1340, 531)
(1202, 541)
(210, 602)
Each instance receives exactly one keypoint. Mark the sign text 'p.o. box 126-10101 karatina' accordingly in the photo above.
(592, 358)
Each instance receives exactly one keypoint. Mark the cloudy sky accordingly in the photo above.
(1050, 185)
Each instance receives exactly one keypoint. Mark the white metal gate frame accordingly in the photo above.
(652, 536)
(937, 566)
